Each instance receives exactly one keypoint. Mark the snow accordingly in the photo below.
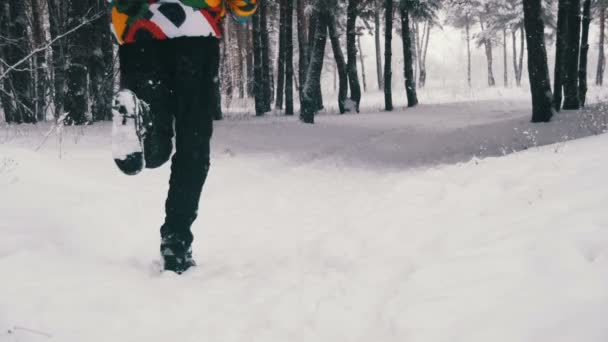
(365, 227)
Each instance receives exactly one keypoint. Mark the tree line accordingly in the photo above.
(58, 59)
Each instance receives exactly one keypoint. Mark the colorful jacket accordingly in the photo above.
(136, 20)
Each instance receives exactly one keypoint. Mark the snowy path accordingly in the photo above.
(427, 135)
(296, 246)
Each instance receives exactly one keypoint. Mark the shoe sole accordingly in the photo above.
(127, 135)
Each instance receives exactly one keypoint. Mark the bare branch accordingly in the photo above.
(42, 48)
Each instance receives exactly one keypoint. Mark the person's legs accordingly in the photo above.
(146, 69)
(196, 73)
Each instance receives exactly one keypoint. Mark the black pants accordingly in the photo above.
(178, 79)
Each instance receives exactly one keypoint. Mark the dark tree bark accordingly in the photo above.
(560, 53)
(289, 59)
(340, 63)
(408, 71)
(281, 56)
(312, 27)
(388, 54)
(302, 45)
(20, 79)
(571, 93)
(582, 74)
(265, 47)
(313, 74)
(258, 79)
(351, 47)
(601, 59)
(77, 103)
(101, 65)
(378, 7)
(538, 70)
(8, 104)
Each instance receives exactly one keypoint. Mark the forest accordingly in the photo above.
(58, 59)
(379, 170)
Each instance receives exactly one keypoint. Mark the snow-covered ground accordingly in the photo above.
(369, 227)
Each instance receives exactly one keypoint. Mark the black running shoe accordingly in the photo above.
(130, 117)
(177, 256)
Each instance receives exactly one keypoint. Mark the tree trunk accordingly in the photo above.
(410, 81)
(226, 84)
(521, 55)
(313, 74)
(340, 62)
(240, 59)
(302, 46)
(601, 60)
(414, 37)
(281, 57)
(571, 93)
(265, 47)
(258, 79)
(351, 47)
(101, 66)
(312, 27)
(57, 26)
(468, 37)
(504, 53)
(423, 52)
(6, 97)
(363, 78)
(20, 79)
(538, 70)
(488, 48)
(250, 51)
(378, 5)
(561, 44)
(77, 103)
(40, 63)
(388, 54)
(515, 65)
(289, 59)
(582, 74)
